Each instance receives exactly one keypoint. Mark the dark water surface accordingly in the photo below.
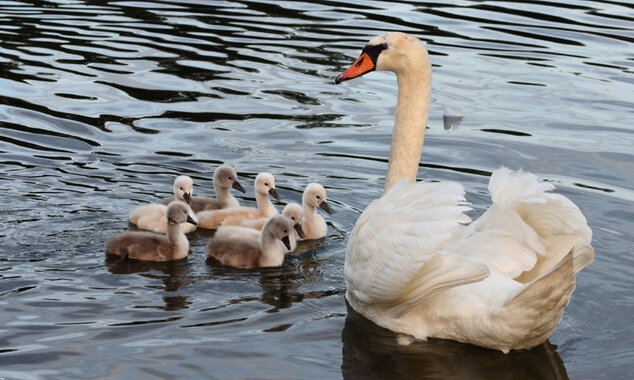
(103, 103)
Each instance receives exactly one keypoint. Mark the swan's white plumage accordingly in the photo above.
(416, 222)
(501, 282)
(414, 266)
(526, 225)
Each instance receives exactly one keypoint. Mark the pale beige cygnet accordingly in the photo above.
(264, 186)
(314, 224)
(225, 178)
(153, 216)
(153, 247)
(251, 227)
(250, 252)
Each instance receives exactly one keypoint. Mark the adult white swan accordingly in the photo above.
(414, 266)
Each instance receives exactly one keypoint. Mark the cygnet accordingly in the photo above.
(153, 216)
(249, 252)
(225, 178)
(314, 224)
(153, 247)
(264, 186)
(251, 227)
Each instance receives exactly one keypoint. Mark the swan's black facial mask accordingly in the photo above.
(364, 64)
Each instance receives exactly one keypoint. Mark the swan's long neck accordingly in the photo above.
(310, 211)
(265, 205)
(225, 198)
(177, 238)
(412, 109)
(272, 255)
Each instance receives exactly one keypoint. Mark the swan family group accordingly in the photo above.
(245, 237)
(415, 262)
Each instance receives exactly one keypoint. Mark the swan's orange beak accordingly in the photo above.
(363, 65)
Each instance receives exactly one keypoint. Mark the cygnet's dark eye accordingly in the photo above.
(318, 197)
(181, 188)
(285, 231)
(266, 183)
(292, 217)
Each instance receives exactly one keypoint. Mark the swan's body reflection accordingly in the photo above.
(372, 352)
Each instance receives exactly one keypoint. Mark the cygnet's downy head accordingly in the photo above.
(315, 195)
(293, 211)
(225, 177)
(394, 51)
(178, 212)
(183, 188)
(280, 227)
(265, 184)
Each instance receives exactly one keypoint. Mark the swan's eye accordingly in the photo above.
(285, 231)
(266, 183)
(292, 217)
(318, 197)
(181, 188)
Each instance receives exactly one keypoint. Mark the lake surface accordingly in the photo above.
(103, 103)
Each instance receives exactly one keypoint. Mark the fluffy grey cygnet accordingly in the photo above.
(248, 252)
(149, 246)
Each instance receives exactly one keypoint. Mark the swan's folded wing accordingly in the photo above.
(397, 234)
(501, 240)
(442, 271)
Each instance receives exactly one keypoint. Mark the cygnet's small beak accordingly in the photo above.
(324, 206)
(274, 194)
(188, 198)
(191, 220)
(237, 186)
(300, 230)
(286, 242)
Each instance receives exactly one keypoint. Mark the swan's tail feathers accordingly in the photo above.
(508, 187)
(136, 214)
(539, 307)
(557, 221)
(582, 257)
(439, 273)
(551, 291)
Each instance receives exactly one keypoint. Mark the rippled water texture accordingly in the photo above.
(103, 103)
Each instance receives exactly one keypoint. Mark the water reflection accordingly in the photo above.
(173, 274)
(451, 117)
(372, 352)
(279, 284)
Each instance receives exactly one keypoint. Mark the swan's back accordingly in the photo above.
(238, 232)
(150, 217)
(237, 252)
(140, 246)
